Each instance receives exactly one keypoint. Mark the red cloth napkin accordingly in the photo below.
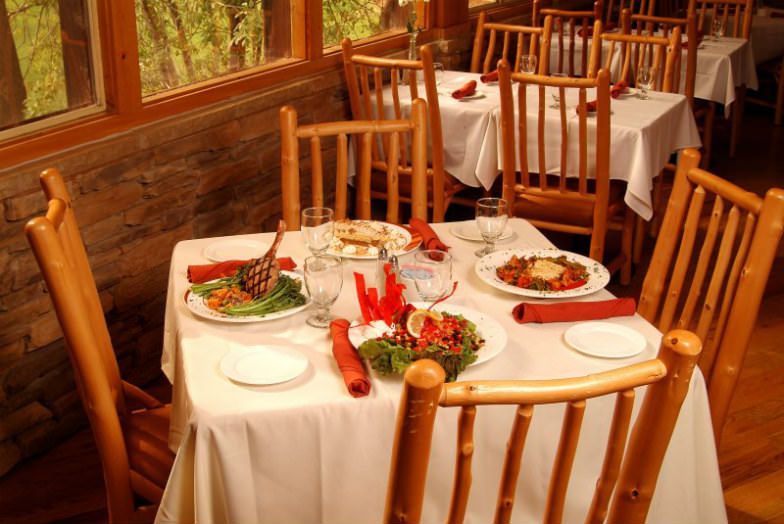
(466, 90)
(348, 360)
(207, 272)
(589, 30)
(615, 92)
(429, 238)
(492, 76)
(573, 311)
(685, 43)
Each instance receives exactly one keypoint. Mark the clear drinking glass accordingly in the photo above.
(432, 274)
(491, 217)
(438, 72)
(557, 95)
(645, 78)
(317, 226)
(323, 279)
(717, 28)
(528, 64)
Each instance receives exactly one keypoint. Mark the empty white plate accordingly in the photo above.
(235, 249)
(604, 339)
(470, 231)
(263, 365)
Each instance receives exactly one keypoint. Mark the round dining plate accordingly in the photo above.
(263, 365)
(411, 237)
(487, 327)
(604, 339)
(235, 249)
(469, 231)
(198, 306)
(485, 267)
(476, 94)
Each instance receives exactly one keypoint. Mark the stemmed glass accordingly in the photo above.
(717, 28)
(557, 95)
(438, 72)
(528, 64)
(491, 216)
(645, 78)
(317, 226)
(323, 278)
(433, 274)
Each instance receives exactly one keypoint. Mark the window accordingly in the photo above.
(48, 60)
(186, 41)
(362, 18)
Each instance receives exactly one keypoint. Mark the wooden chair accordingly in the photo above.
(391, 132)
(424, 391)
(537, 38)
(575, 21)
(713, 282)
(132, 443)
(572, 205)
(614, 14)
(366, 77)
(736, 16)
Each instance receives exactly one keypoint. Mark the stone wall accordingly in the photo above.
(210, 172)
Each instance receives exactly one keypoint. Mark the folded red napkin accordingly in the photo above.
(589, 30)
(467, 89)
(429, 238)
(573, 311)
(348, 360)
(492, 76)
(207, 272)
(615, 92)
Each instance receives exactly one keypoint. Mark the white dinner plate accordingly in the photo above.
(413, 240)
(476, 94)
(198, 306)
(263, 365)
(485, 267)
(470, 231)
(486, 327)
(235, 249)
(604, 339)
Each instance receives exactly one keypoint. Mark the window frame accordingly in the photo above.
(125, 108)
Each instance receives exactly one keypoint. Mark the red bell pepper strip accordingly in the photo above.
(364, 306)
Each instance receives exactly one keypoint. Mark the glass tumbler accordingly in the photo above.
(317, 225)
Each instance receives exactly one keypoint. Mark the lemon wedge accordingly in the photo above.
(416, 319)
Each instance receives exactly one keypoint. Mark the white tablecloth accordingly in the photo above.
(306, 451)
(643, 135)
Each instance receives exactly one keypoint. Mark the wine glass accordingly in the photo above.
(645, 78)
(528, 64)
(432, 274)
(318, 225)
(323, 279)
(491, 216)
(557, 95)
(717, 28)
(438, 72)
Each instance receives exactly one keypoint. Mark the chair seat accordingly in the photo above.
(580, 213)
(147, 441)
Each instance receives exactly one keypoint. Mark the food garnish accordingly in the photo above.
(543, 273)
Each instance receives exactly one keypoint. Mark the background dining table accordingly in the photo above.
(643, 136)
(307, 451)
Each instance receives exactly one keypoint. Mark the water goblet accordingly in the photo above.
(645, 78)
(717, 28)
(557, 95)
(317, 227)
(528, 64)
(438, 72)
(432, 274)
(323, 279)
(491, 217)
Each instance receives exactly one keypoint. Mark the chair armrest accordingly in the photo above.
(134, 393)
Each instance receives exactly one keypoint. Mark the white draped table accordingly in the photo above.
(306, 451)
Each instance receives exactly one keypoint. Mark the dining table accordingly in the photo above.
(643, 135)
(305, 450)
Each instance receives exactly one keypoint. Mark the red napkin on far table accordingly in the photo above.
(615, 92)
(348, 360)
(429, 238)
(206, 272)
(492, 76)
(589, 30)
(685, 43)
(573, 311)
(467, 89)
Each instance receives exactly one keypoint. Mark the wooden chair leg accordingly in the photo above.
(626, 246)
(639, 240)
(707, 135)
(780, 96)
(737, 117)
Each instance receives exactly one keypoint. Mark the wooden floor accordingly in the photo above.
(65, 485)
